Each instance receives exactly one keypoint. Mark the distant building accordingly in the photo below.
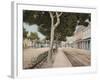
(27, 43)
(82, 37)
(69, 42)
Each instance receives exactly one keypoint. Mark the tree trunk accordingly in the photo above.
(53, 27)
(49, 59)
(56, 45)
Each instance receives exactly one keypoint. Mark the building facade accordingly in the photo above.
(27, 43)
(82, 37)
(69, 42)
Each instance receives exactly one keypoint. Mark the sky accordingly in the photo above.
(33, 28)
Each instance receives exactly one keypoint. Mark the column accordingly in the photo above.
(87, 44)
(82, 44)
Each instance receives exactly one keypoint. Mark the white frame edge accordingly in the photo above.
(14, 42)
(14, 67)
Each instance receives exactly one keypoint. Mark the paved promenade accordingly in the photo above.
(65, 57)
(61, 60)
(68, 57)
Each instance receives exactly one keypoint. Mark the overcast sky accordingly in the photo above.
(33, 28)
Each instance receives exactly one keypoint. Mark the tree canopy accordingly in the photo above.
(33, 36)
(68, 22)
(24, 33)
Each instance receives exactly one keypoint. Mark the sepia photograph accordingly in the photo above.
(54, 39)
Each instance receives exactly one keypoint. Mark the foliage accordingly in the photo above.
(65, 28)
(24, 33)
(33, 36)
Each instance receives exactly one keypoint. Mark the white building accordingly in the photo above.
(82, 37)
(69, 42)
(27, 43)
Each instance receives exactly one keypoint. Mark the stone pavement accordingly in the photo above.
(30, 53)
(65, 57)
(61, 60)
(72, 57)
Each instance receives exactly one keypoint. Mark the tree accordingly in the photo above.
(24, 33)
(33, 36)
(54, 25)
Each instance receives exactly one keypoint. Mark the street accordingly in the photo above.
(31, 53)
(68, 57)
(65, 57)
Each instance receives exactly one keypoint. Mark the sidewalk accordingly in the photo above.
(61, 60)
